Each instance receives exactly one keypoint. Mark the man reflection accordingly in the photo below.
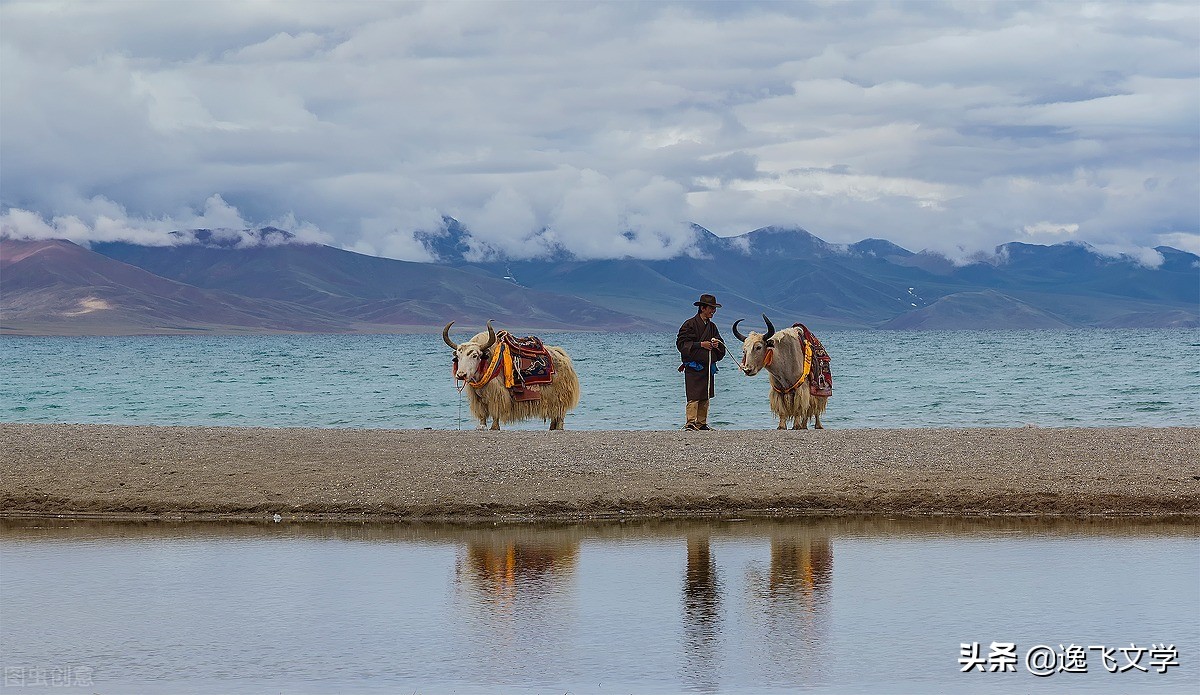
(701, 615)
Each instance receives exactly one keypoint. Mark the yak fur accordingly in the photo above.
(787, 364)
(493, 402)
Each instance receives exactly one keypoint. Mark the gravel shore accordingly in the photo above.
(228, 472)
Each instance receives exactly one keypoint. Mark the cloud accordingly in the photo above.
(1181, 240)
(281, 46)
(605, 129)
(1148, 258)
(506, 224)
(100, 219)
(1041, 231)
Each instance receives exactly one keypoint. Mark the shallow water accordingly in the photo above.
(839, 606)
(1084, 378)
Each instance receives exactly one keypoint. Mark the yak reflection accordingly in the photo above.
(500, 571)
(517, 593)
(792, 610)
(504, 569)
(801, 569)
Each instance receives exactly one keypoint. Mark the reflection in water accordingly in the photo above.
(248, 608)
(701, 615)
(786, 608)
(793, 607)
(515, 593)
(801, 570)
(500, 570)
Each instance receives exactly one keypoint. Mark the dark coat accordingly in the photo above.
(693, 332)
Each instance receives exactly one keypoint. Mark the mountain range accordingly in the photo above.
(261, 281)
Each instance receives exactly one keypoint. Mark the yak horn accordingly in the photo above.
(736, 334)
(491, 335)
(770, 328)
(446, 336)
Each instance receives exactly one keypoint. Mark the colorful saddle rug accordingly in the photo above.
(531, 361)
(525, 364)
(821, 381)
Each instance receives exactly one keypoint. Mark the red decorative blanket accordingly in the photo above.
(528, 364)
(820, 383)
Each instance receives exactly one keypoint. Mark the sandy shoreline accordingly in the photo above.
(216, 472)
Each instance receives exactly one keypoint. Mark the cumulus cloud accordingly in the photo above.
(1055, 231)
(281, 46)
(1148, 258)
(506, 224)
(1180, 240)
(100, 219)
(604, 129)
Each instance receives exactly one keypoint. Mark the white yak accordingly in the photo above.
(488, 397)
(790, 366)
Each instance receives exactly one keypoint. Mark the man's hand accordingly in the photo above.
(710, 344)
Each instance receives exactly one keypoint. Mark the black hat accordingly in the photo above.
(707, 300)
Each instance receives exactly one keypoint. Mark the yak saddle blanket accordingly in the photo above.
(821, 381)
(524, 363)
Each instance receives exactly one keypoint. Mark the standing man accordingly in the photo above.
(700, 348)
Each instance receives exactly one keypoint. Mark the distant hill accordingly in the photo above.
(56, 287)
(262, 280)
(791, 274)
(975, 311)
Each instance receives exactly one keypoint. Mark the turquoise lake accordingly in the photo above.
(1076, 378)
(872, 605)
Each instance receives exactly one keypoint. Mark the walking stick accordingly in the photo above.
(711, 381)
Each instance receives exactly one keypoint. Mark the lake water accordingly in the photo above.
(751, 606)
(881, 379)
(845, 606)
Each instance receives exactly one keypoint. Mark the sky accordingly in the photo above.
(605, 129)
